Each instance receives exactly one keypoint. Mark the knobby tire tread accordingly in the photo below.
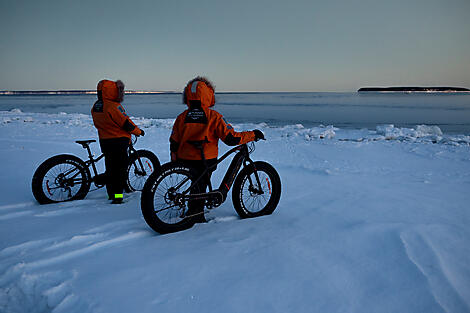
(148, 194)
(141, 154)
(42, 170)
(276, 189)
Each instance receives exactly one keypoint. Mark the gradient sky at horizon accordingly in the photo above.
(245, 45)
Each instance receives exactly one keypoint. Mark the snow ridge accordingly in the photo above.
(421, 133)
(31, 285)
(421, 252)
(44, 292)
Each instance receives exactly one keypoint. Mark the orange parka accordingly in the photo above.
(109, 116)
(199, 122)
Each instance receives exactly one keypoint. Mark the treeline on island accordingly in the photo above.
(414, 89)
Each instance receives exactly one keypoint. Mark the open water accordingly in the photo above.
(449, 111)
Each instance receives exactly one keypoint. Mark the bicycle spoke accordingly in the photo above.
(168, 207)
(62, 182)
(167, 210)
(252, 200)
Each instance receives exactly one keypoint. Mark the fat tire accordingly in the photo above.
(143, 154)
(46, 166)
(148, 198)
(274, 189)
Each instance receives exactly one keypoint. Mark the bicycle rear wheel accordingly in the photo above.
(162, 204)
(251, 199)
(142, 163)
(61, 178)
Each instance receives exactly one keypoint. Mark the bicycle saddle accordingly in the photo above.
(85, 142)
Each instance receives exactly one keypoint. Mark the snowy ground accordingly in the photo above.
(369, 221)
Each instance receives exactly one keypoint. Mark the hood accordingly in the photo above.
(199, 90)
(109, 90)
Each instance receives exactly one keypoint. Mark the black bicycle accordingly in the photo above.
(66, 177)
(164, 200)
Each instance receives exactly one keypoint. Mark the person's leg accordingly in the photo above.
(116, 160)
(122, 160)
(196, 207)
(106, 148)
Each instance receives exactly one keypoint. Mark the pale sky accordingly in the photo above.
(243, 45)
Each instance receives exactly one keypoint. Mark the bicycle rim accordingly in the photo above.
(62, 182)
(251, 200)
(166, 209)
(140, 174)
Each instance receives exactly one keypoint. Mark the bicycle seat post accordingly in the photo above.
(86, 145)
(203, 156)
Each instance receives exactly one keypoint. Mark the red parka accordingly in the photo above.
(109, 116)
(199, 122)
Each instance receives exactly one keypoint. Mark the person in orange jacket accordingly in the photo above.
(114, 131)
(201, 123)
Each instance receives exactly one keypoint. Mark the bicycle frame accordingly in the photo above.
(92, 161)
(241, 158)
(67, 177)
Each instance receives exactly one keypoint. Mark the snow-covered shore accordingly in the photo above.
(369, 221)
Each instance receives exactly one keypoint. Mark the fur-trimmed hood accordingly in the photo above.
(199, 89)
(109, 90)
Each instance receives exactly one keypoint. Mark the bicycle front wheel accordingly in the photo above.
(61, 178)
(251, 199)
(162, 202)
(142, 164)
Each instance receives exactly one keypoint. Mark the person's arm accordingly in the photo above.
(119, 116)
(173, 149)
(175, 140)
(229, 136)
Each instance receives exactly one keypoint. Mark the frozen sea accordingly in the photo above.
(449, 111)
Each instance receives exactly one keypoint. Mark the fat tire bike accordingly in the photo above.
(66, 177)
(164, 199)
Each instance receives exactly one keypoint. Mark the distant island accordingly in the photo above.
(413, 89)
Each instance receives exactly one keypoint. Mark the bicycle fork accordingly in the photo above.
(251, 187)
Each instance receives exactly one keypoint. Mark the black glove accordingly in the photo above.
(258, 135)
(142, 133)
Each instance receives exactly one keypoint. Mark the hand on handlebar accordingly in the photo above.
(259, 135)
(142, 133)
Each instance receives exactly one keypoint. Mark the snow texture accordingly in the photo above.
(369, 221)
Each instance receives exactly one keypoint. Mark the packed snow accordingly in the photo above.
(369, 221)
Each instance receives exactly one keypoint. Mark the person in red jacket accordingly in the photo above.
(114, 131)
(201, 123)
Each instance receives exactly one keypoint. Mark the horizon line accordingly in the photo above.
(93, 91)
(89, 91)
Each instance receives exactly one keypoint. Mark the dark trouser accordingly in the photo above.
(197, 168)
(116, 159)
